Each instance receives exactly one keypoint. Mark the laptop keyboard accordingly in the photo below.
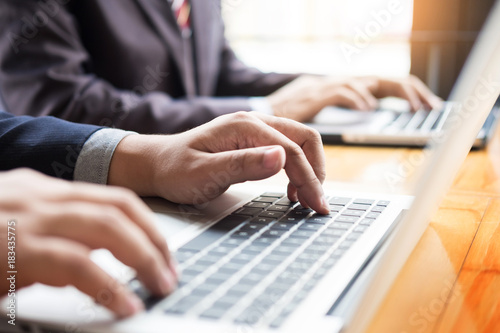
(257, 264)
(421, 121)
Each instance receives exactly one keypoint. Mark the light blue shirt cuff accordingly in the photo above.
(92, 165)
(261, 104)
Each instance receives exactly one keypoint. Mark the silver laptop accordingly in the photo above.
(392, 124)
(252, 261)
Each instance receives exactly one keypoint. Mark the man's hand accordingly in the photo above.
(304, 97)
(58, 223)
(199, 165)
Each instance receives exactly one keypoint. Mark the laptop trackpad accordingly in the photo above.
(334, 119)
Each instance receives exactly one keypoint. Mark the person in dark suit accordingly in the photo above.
(57, 222)
(137, 65)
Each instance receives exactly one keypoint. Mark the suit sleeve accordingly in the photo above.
(238, 79)
(49, 145)
(45, 70)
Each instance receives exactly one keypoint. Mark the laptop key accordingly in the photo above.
(346, 244)
(278, 321)
(316, 248)
(263, 269)
(263, 241)
(226, 302)
(302, 234)
(183, 255)
(244, 233)
(291, 219)
(218, 278)
(336, 208)
(308, 257)
(274, 233)
(285, 202)
(310, 226)
(383, 203)
(321, 219)
(358, 207)
(263, 220)
(208, 260)
(221, 250)
(265, 199)
(353, 236)
(283, 250)
(372, 215)
(232, 266)
(367, 222)
(378, 209)
(298, 213)
(184, 304)
(282, 226)
(340, 225)
(238, 290)
(252, 227)
(271, 214)
(214, 233)
(248, 211)
(273, 195)
(278, 208)
(351, 212)
(334, 232)
(253, 249)
(261, 205)
(293, 241)
(250, 316)
(232, 242)
(360, 228)
(338, 253)
(341, 201)
(327, 239)
(213, 313)
(347, 219)
(202, 290)
(363, 201)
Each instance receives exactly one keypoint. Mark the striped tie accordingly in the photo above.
(182, 9)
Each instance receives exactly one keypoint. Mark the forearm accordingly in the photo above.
(47, 144)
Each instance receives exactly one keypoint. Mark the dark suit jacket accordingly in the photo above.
(122, 63)
(46, 144)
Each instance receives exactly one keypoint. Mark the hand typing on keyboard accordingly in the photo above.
(198, 165)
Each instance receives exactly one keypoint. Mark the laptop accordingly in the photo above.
(392, 124)
(252, 261)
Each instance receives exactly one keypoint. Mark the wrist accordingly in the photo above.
(132, 165)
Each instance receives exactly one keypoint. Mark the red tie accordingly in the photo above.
(182, 9)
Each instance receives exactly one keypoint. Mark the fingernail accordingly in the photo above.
(270, 161)
(173, 265)
(167, 283)
(325, 204)
(131, 306)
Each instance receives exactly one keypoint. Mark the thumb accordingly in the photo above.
(249, 164)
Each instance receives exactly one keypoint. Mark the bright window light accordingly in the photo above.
(338, 37)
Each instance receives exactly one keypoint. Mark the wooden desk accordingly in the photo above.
(451, 282)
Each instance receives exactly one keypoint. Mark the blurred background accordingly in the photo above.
(428, 38)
